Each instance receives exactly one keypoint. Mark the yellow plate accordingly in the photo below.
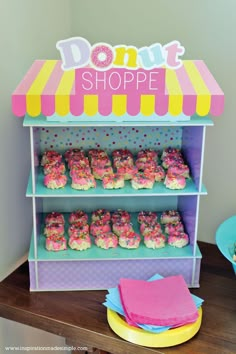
(168, 338)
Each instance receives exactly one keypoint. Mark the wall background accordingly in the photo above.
(29, 30)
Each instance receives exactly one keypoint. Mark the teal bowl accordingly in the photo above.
(226, 239)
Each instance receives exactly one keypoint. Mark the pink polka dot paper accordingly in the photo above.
(109, 138)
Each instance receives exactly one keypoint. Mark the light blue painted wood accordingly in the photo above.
(95, 253)
(226, 239)
(159, 189)
(99, 120)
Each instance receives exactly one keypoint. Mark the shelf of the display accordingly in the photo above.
(159, 189)
(125, 120)
(95, 253)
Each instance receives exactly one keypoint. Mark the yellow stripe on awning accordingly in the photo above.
(91, 104)
(147, 104)
(203, 94)
(33, 96)
(119, 104)
(62, 95)
(175, 93)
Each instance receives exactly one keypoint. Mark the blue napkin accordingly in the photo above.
(113, 302)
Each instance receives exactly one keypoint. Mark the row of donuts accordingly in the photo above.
(143, 171)
(112, 229)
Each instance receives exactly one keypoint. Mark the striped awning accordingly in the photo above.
(46, 89)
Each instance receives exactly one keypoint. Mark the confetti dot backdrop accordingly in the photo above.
(109, 138)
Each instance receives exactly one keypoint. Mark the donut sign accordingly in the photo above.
(77, 53)
(121, 69)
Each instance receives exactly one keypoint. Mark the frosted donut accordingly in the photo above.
(56, 243)
(127, 172)
(121, 153)
(54, 218)
(172, 160)
(151, 229)
(78, 168)
(101, 214)
(173, 181)
(122, 228)
(148, 164)
(142, 181)
(108, 240)
(77, 160)
(114, 181)
(57, 168)
(80, 243)
(98, 227)
(77, 229)
(120, 216)
(123, 161)
(100, 172)
(129, 240)
(147, 154)
(154, 241)
(103, 161)
(78, 216)
(54, 229)
(148, 217)
(170, 152)
(179, 169)
(178, 239)
(55, 181)
(157, 172)
(96, 153)
(102, 55)
(50, 156)
(170, 217)
(173, 228)
(72, 152)
(83, 181)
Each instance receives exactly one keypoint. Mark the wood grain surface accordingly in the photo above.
(80, 317)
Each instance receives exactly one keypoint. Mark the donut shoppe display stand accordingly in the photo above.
(112, 108)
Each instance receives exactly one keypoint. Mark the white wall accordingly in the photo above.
(29, 30)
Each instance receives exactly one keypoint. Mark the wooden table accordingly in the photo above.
(80, 317)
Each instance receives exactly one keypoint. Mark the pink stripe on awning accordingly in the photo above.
(19, 95)
(189, 94)
(48, 95)
(217, 95)
(105, 103)
(162, 104)
(76, 103)
(133, 104)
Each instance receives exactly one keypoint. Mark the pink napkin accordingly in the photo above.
(163, 302)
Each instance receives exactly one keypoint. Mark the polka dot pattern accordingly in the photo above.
(109, 138)
(94, 275)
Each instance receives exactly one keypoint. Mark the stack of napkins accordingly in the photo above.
(155, 305)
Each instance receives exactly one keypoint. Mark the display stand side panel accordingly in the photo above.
(192, 147)
(37, 206)
(35, 153)
(188, 207)
(33, 274)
